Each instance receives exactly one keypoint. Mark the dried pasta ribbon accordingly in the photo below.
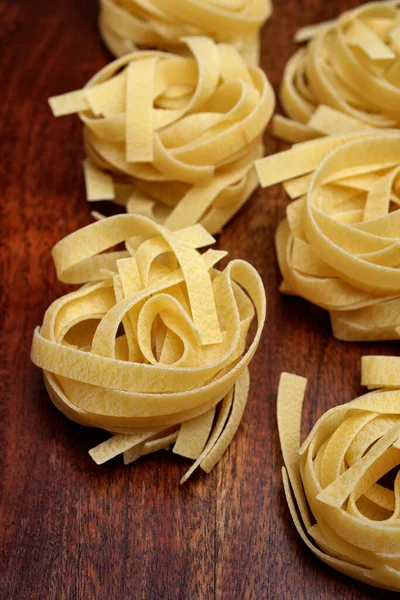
(153, 346)
(127, 25)
(174, 138)
(346, 77)
(343, 511)
(339, 246)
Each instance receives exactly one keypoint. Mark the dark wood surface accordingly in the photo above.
(68, 528)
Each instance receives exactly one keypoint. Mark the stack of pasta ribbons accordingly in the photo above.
(195, 123)
(153, 346)
(351, 68)
(339, 246)
(342, 509)
(126, 25)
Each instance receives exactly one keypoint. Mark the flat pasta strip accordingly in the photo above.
(154, 344)
(238, 405)
(99, 185)
(339, 246)
(194, 434)
(160, 441)
(139, 110)
(355, 85)
(341, 509)
(126, 26)
(174, 137)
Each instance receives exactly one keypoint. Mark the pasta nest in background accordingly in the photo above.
(128, 24)
(153, 347)
(339, 246)
(171, 137)
(352, 65)
(343, 511)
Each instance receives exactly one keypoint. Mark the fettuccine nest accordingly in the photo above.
(351, 65)
(153, 347)
(341, 508)
(171, 137)
(126, 25)
(339, 246)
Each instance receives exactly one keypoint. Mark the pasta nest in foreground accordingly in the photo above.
(344, 512)
(352, 65)
(153, 347)
(128, 24)
(339, 246)
(194, 123)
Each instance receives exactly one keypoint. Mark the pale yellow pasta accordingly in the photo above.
(126, 25)
(342, 510)
(153, 347)
(349, 68)
(174, 138)
(339, 246)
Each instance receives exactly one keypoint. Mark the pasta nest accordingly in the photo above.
(339, 244)
(126, 25)
(194, 123)
(352, 65)
(348, 517)
(153, 347)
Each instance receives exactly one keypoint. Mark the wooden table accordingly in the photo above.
(70, 529)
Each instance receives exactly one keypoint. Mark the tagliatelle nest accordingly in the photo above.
(341, 509)
(171, 137)
(128, 24)
(352, 65)
(339, 246)
(153, 346)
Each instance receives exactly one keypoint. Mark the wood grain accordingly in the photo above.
(72, 530)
